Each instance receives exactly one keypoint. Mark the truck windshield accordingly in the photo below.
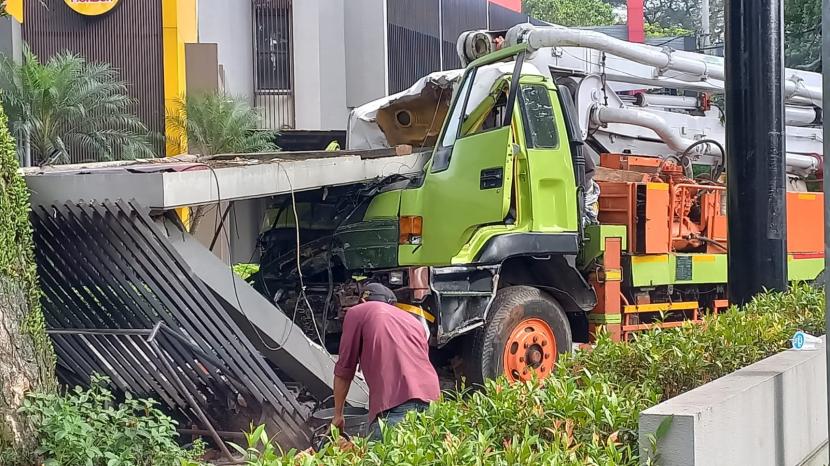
(481, 103)
(484, 103)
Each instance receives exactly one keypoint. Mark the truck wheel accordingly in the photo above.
(525, 332)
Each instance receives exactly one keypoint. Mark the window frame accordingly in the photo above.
(443, 152)
(530, 142)
(266, 13)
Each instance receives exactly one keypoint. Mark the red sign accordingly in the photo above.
(515, 5)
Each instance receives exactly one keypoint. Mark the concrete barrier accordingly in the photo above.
(773, 412)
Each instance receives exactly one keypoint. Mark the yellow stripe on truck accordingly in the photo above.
(416, 311)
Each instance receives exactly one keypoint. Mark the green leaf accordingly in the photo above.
(663, 428)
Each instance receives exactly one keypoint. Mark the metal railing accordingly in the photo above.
(273, 62)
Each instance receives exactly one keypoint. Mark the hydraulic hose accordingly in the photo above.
(717, 170)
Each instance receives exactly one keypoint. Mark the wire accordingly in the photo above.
(302, 294)
(711, 241)
(284, 337)
(718, 169)
(300, 271)
(434, 116)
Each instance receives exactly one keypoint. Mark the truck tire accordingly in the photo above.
(525, 332)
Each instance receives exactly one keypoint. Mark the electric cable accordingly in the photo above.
(284, 337)
(299, 268)
(711, 241)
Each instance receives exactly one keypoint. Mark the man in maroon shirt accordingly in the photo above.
(392, 348)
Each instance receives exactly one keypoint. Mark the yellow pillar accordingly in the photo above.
(15, 9)
(178, 28)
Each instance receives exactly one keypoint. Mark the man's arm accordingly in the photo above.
(341, 389)
(346, 366)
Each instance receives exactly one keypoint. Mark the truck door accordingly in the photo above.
(553, 188)
(468, 183)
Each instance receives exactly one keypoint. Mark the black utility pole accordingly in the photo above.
(756, 158)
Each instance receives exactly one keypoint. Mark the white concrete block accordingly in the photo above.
(773, 412)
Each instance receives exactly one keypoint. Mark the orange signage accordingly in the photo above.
(91, 7)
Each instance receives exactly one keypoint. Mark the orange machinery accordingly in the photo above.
(669, 216)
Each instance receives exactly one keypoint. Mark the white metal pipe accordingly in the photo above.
(666, 101)
(809, 163)
(602, 115)
(663, 59)
(794, 115)
(605, 115)
(799, 116)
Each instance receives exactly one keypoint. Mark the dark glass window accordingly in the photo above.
(272, 45)
(540, 127)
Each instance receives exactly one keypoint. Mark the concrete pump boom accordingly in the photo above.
(691, 68)
(642, 123)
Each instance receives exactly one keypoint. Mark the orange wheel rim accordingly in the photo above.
(530, 349)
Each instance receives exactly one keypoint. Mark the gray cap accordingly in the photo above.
(378, 292)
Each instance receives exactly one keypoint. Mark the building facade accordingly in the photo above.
(304, 64)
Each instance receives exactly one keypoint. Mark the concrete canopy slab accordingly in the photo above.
(163, 186)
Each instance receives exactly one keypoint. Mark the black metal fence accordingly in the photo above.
(422, 34)
(129, 38)
(120, 301)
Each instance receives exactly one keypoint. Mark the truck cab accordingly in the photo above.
(487, 239)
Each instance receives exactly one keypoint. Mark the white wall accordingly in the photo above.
(773, 412)
(319, 64)
(228, 24)
(365, 29)
(339, 55)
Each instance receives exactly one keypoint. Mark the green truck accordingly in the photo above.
(493, 245)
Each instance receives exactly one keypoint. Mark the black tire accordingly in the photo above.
(511, 307)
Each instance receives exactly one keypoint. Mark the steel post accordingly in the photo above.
(756, 177)
(705, 32)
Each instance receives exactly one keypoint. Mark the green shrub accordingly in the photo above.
(588, 412)
(245, 271)
(88, 427)
(680, 359)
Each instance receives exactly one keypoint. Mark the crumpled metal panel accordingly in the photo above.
(111, 280)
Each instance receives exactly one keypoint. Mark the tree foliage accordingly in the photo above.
(571, 12)
(655, 30)
(215, 123)
(802, 33)
(685, 15)
(68, 104)
(92, 427)
(802, 25)
(27, 360)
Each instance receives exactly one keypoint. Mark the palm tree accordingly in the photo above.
(69, 105)
(214, 123)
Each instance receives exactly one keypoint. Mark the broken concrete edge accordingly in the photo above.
(166, 190)
(771, 412)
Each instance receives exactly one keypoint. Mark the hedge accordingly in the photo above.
(587, 413)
